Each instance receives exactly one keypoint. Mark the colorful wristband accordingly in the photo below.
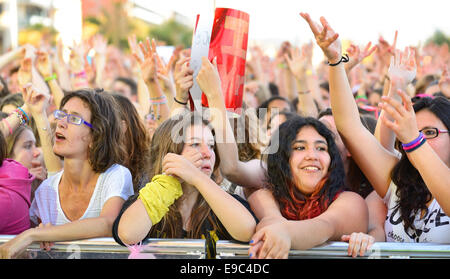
(415, 141)
(52, 77)
(415, 144)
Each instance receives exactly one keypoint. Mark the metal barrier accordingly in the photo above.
(338, 250)
(107, 248)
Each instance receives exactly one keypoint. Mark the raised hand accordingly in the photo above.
(36, 102)
(24, 75)
(76, 60)
(149, 64)
(386, 50)
(404, 123)
(326, 38)
(99, 44)
(357, 56)
(208, 79)
(43, 64)
(298, 63)
(403, 66)
(184, 79)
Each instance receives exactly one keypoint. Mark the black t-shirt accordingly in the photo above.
(208, 232)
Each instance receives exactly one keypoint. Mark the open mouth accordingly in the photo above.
(59, 137)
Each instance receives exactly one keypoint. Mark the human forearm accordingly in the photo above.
(345, 110)
(306, 106)
(434, 172)
(10, 56)
(57, 92)
(156, 92)
(226, 208)
(76, 230)
(134, 223)
(52, 162)
(307, 234)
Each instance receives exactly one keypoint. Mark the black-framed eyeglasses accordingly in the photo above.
(71, 118)
(431, 133)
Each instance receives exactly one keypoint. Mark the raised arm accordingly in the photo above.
(433, 170)
(299, 64)
(402, 71)
(357, 56)
(375, 161)
(246, 174)
(37, 104)
(184, 80)
(44, 67)
(149, 70)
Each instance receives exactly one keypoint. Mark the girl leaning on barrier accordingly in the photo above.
(182, 200)
(415, 187)
(305, 204)
(82, 200)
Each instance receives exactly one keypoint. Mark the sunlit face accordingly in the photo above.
(201, 139)
(25, 151)
(73, 140)
(440, 144)
(328, 120)
(309, 160)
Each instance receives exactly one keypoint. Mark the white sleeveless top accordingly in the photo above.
(433, 227)
(114, 182)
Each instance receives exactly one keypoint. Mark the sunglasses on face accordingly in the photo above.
(71, 118)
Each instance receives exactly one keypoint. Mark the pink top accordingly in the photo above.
(15, 191)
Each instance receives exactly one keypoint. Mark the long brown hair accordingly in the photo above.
(136, 141)
(106, 148)
(163, 142)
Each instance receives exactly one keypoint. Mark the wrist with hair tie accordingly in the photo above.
(159, 194)
(415, 144)
(344, 59)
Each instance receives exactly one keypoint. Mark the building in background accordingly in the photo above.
(28, 21)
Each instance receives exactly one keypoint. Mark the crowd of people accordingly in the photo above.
(355, 149)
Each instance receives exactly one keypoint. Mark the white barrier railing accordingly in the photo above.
(107, 248)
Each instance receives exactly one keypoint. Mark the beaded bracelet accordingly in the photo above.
(19, 115)
(413, 145)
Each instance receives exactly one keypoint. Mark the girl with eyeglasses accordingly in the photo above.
(416, 187)
(82, 200)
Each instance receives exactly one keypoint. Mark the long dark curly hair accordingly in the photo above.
(295, 205)
(411, 189)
